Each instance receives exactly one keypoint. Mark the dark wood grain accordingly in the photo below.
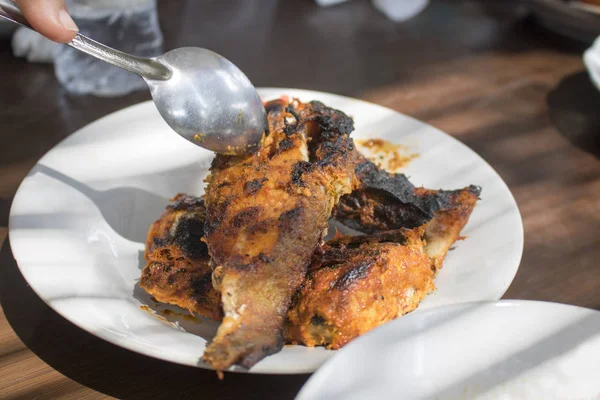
(517, 95)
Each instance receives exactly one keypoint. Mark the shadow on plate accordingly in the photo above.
(112, 370)
(125, 209)
(573, 109)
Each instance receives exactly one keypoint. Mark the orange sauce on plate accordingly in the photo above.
(389, 156)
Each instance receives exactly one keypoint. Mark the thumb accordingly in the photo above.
(50, 18)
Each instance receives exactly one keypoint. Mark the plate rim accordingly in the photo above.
(282, 90)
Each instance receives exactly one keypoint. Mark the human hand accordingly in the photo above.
(50, 18)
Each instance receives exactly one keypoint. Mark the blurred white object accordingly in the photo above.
(127, 25)
(591, 58)
(33, 46)
(396, 10)
(400, 10)
(327, 3)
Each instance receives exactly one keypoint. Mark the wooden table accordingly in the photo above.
(515, 94)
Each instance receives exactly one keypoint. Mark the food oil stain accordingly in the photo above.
(239, 119)
(200, 137)
(183, 315)
(389, 156)
(157, 316)
(167, 315)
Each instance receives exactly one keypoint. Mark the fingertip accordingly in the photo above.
(56, 34)
(67, 22)
(60, 35)
(51, 19)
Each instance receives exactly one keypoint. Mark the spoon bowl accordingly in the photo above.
(209, 101)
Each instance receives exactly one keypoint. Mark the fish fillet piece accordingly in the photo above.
(359, 283)
(444, 229)
(177, 267)
(266, 214)
(384, 201)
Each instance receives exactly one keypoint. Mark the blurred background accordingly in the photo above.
(505, 77)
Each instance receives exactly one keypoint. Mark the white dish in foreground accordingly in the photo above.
(79, 221)
(501, 350)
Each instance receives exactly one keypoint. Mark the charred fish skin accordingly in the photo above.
(177, 267)
(266, 214)
(386, 201)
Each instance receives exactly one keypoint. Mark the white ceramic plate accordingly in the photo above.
(501, 350)
(79, 220)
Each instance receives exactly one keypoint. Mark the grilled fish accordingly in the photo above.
(266, 214)
(177, 267)
(356, 284)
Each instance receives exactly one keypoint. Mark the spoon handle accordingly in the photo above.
(145, 67)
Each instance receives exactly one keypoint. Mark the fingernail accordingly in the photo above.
(66, 21)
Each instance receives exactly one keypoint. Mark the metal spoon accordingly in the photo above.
(201, 95)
